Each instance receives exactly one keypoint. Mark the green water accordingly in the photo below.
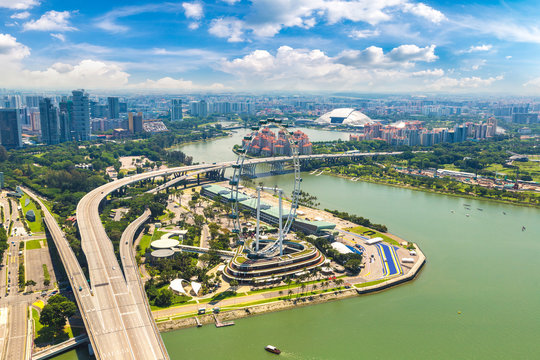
(482, 265)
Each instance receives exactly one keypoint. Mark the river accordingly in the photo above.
(476, 298)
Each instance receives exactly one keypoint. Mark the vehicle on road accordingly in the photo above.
(80, 288)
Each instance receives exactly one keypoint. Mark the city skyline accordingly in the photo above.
(394, 46)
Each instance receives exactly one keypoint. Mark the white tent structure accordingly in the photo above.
(176, 286)
(196, 287)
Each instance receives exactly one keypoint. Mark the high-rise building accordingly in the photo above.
(199, 108)
(50, 124)
(65, 116)
(114, 107)
(135, 122)
(123, 107)
(10, 128)
(176, 109)
(80, 121)
(33, 101)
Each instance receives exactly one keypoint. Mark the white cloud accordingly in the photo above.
(533, 82)
(266, 18)
(231, 2)
(427, 12)
(478, 48)
(60, 37)
(194, 25)
(229, 28)
(108, 22)
(193, 10)
(448, 84)
(404, 55)
(508, 57)
(51, 21)
(20, 16)
(302, 69)
(168, 83)
(18, 4)
(363, 34)
(10, 49)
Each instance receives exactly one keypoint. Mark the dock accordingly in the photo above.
(199, 324)
(222, 324)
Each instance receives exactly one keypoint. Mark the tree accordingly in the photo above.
(30, 283)
(56, 312)
(234, 284)
(164, 298)
(353, 265)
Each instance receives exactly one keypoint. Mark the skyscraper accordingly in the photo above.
(50, 125)
(176, 109)
(81, 115)
(65, 116)
(135, 122)
(114, 107)
(10, 128)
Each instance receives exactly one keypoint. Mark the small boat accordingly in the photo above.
(523, 228)
(504, 213)
(480, 209)
(272, 349)
(468, 215)
(452, 211)
(466, 205)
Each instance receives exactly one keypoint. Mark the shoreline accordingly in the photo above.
(184, 321)
(405, 186)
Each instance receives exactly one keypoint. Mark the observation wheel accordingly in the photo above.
(285, 219)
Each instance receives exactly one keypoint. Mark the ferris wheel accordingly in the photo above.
(284, 219)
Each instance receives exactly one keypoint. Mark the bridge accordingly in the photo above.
(115, 313)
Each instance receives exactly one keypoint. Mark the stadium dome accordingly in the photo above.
(344, 116)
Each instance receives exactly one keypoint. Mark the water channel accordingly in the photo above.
(476, 298)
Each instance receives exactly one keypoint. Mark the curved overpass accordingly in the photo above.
(120, 325)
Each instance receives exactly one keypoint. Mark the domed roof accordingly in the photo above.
(345, 116)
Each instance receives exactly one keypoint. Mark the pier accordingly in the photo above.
(222, 324)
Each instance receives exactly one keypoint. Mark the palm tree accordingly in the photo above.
(339, 282)
(290, 292)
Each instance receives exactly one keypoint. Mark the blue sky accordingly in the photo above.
(382, 46)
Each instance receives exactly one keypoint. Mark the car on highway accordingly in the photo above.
(80, 288)
(114, 268)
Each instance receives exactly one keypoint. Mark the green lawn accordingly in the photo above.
(361, 229)
(33, 244)
(37, 324)
(35, 226)
(144, 244)
(530, 167)
(370, 283)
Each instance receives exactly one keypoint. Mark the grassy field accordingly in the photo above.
(530, 167)
(147, 240)
(361, 229)
(35, 226)
(33, 244)
(144, 244)
(37, 325)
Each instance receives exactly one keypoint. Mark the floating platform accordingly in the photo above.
(222, 324)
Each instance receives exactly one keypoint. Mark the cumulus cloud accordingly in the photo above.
(228, 28)
(404, 55)
(302, 69)
(10, 49)
(20, 16)
(193, 10)
(427, 12)
(363, 34)
(18, 4)
(266, 18)
(51, 21)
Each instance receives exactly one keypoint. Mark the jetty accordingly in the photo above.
(222, 324)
